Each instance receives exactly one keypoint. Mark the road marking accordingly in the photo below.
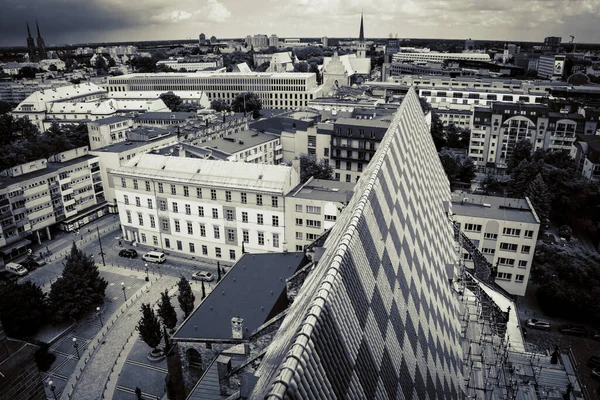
(139, 364)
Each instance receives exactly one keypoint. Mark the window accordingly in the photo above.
(508, 246)
(298, 207)
(167, 243)
(244, 216)
(204, 250)
(311, 236)
(138, 202)
(504, 275)
(190, 228)
(313, 224)
(511, 232)
(152, 222)
(186, 191)
(228, 195)
(199, 193)
(140, 219)
(201, 211)
(215, 213)
(330, 217)
(175, 207)
(202, 230)
(298, 235)
(275, 220)
(229, 215)
(165, 224)
(312, 140)
(491, 236)
(123, 183)
(274, 201)
(522, 263)
(231, 235)
(299, 221)
(126, 199)
(177, 226)
(525, 249)
(128, 216)
(173, 189)
(259, 219)
(179, 245)
(232, 254)
(150, 204)
(259, 199)
(216, 232)
(143, 237)
(147, 186)
(135, 184)
(155, 240)
(192, 248)
(276, 240)
(244, 198)
(245, 236)
(218, 252)
(213, 194)
(162, 205)
(261, 238)
(472, 228)
(506, 261)
(519, 278)
(313, 210)
(160, 188)
(528, 234)
(299, 247)
(487, 250)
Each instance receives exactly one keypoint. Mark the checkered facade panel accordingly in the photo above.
(377, 319)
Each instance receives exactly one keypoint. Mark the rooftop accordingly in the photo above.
(240, 141)
(492, 207)
(111, 120)
(165, 115)
(205, 74)
(321, 189)
(254, 289)
(369, 123)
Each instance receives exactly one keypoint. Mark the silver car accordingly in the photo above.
(538, 324)
(203, 276)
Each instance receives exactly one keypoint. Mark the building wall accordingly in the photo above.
(296, 143)
(433, 57)
(20, 376)
(102, 135)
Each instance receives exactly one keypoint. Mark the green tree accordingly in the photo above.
(466, 171)
(171, 100)
(301, 67)
(263, 67)
(220, 105)
(522, 176)
(149, 327)
(186, 297)
(166, 311)
(522, 151)
(566, 232)
(437, 131)
(27, 73)
(101, 65)
(540, 198)
(247, 102)
(310, 167)
(451, 167)
(314, 68)
(79, 289)
(23, 308)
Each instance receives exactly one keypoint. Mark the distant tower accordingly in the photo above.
(42, 55)
(30, 46)
(202, 39)
(325, 41)
(362, 46)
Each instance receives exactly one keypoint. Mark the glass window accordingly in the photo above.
(216, 232)
(173, 189)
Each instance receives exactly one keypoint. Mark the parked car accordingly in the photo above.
(6, 276)
(16, 269)
(538, 324)
(128, 253)
(203, 276)
(594, 362)
(574, 330)
(39, 260)
(596, 373)
(155, 257)
(30, 264)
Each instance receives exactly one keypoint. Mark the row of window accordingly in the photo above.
(260, 220)
(192, 246)
(508, 277)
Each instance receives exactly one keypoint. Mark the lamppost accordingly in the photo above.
(52, 389)
(147, 278)
(99, 315)
(100, 242)
(123, 289)
(76, 347)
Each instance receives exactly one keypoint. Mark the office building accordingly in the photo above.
(273, 41)
(248, 146)
(325, 41)
(276, 90)
(191, 65)
(201, 207)
(438, 57)
(551, 66)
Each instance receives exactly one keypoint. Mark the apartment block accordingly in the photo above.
(504, 230)
(248, 146)
(206, 208)
(586, 153)
(107, 131)
(551, 66)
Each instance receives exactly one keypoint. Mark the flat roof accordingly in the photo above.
(165, 115)
(132, 144)
(321, 189)
(239, 141)
(111, 120)
(493, 207)
(50, 168)
(215, 74)
(369, 123)
(254, 289)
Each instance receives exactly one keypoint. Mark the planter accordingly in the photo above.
(155, 355)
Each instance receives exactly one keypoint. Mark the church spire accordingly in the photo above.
(38, 28)
(28, 31)
(361, 35)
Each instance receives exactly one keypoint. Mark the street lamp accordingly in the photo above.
(147, 278)
(52, 389)
(100, 241)
(76, 346)
(123, 289)
(99, 315)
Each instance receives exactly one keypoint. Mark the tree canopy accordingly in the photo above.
(149, 326)
(220, 105)
(23, 308)
(318, 169)
(247, 102)
(80, 288)
(186, 297)
(171, 100)
(166, 311)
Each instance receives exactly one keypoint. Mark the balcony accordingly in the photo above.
(64, 181)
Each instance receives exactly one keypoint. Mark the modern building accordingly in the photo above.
(586, 153)
(187, 96)
(438, 57)
(313, 208)
(273, 41)
(191, 65)
(205, 208)
(325, 41)
(458, 118)
(65, 191)
(258, 41)
(504, 230)
(551, 66)
(276, 90)
(248, 146)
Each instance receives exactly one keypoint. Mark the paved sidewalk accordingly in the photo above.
(93, 381)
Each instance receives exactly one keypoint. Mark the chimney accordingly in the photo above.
(237, 328)
(223, 369)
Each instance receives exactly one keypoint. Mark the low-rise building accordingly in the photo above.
(430, 56)
(106, 131)
(187, 96)
(206, 208)
(248, 146)
(164, 118)
(191, 64)
(586, 153)
(504, 230)
(312, 208)
(197, 131)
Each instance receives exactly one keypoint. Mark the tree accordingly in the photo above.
(220, 105)
(437, 131)
(186, 297)
(247, 102)
(301, 67)
(451, 167)
(166, 311)
(522, 151)
(466, 172)
(5, 107)
(540, 198)
(171, 100)
(263, 67)
(566, 232)
(52, 68)
(314, 68)
(23, 308)
(310, 167)
(149, 327)
(27, 73)
(101, 65)
(522, 176)
(79, 289)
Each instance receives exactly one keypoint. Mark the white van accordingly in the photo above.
(155, 257)
(16, 269)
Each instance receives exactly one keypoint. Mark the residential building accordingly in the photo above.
(257, 41)
(273, 41)
(325, 41)
(65, 191)
(191, 64)
(186, 96)
(438, 57)
(212, 126)
(504, 230)
(203, 208)
(248, 146)
(586, 153)
(551, 66)
(458, 118)
(106, 131)
(276, 90)
(164, 119)
(312, 208)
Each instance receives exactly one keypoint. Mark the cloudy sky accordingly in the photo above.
(79, 21)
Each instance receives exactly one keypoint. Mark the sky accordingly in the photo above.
(81, 21)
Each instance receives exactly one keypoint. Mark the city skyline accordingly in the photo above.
(67, 21)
